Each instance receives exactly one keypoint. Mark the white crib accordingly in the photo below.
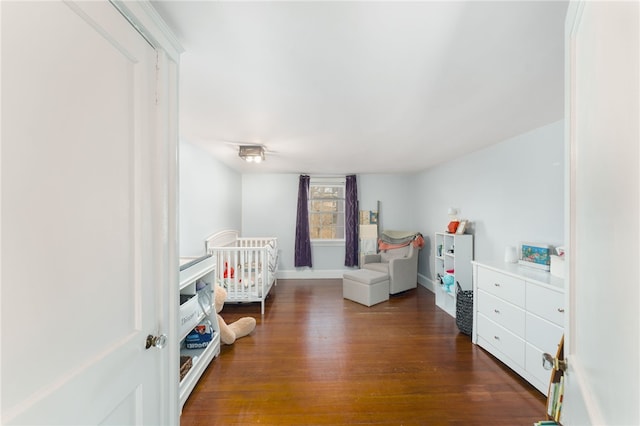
(246, 267)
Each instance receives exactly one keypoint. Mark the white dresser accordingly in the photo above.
(518, 315)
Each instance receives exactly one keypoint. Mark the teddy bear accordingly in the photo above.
(230, 332)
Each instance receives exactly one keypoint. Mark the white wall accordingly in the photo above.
(269, 209)
(210, 198)
(396, 196)
(512, 192)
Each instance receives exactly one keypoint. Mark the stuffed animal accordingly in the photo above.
(230, 332)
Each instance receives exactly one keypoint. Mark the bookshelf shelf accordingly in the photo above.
(453, 256)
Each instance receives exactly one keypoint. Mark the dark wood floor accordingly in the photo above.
(317, 359)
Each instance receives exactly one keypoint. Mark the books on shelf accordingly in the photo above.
(556, 391)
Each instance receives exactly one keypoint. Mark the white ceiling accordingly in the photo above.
(365, 87)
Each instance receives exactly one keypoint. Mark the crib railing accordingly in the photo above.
(257, 242)
(243, 272)
(271, 245)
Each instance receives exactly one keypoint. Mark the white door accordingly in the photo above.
(603, 76)
(79, 247)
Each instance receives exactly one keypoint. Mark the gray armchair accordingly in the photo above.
(401, 264)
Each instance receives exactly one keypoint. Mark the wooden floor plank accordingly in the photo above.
(317, 359)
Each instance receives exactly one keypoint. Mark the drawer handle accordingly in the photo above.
(496, 284)
(561, 310)
(497, 311)
(496, 338)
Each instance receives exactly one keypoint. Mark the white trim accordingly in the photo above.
(328, 180)
(328, 243)
(573, 20)
(337, 273)
(587, 399)
(426, 283)
(146, 20)
(304, 274)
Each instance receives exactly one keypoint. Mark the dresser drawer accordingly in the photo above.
(546, 303)
(502, 313)
(503, 286)
(503, 340)
(543, 334)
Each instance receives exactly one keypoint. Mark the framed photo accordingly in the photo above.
(461, 227)
(536, 256)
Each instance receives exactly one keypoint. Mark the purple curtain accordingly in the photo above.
(351, 222)
(303, 240)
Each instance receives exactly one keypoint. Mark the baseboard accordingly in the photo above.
(426, 283)
(309, 274)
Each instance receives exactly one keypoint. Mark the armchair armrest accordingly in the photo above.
(402, 264)
(372, 258)
(403, 272)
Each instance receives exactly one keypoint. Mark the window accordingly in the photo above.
(326, 209)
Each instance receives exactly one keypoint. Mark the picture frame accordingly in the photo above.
(535, 255)
(461, 227)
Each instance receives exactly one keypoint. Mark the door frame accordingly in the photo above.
(579, 400)
(592, 372)
(144, 18)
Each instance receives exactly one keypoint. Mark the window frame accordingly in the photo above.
(323, 182)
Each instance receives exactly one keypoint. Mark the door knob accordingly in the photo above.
(156, 341)
(549, 362)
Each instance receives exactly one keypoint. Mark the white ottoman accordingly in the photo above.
(365, 286)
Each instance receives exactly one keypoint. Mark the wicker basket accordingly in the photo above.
(464, 310)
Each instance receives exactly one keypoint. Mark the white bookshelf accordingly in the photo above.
(455, 255)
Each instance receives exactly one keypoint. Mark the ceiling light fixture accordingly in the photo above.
(251, 153)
